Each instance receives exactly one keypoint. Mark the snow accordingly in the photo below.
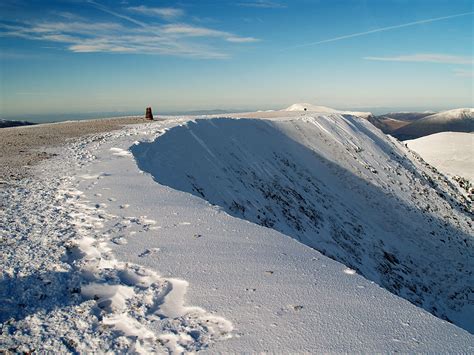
(458, 120)
(450, 152)
(130, 241)
(449, 115)
(322, 109)
(310, 108)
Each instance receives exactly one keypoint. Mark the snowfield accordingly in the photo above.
(237, 235)
(450, 152)
(302, 107)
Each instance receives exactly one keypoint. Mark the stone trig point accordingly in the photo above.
(148, 114)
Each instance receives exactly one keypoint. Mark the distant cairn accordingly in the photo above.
(148, 114)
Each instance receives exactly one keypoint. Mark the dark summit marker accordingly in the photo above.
(148, 114)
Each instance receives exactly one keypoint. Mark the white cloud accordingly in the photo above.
(426, 58)
(264, 4)
(192, 31)
(167, 13)
(242, 39)
(85, 36)
(104, 47)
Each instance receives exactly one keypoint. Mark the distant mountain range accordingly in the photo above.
(412, 125)
(9, 123)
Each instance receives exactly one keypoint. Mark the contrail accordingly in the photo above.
(381, 30)
(116, 14)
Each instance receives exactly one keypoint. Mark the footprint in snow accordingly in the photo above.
(119, 240)
(296, 308)
(149, 252)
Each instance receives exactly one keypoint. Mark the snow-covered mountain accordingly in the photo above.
(390, 122)
(337, 184)
(407, 116)
(450, 152)
(302, 107)
(457, 120)
(310, 108)
(385, 124)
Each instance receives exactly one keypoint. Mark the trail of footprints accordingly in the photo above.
(144, 309)
(60, 276)
(136, 302)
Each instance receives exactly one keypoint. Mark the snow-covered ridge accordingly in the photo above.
(310, 108)
(70, 293)
(339, 185)
(450, 152)
(457, 120)
(96, 253)
(458, 113)
(322, 109)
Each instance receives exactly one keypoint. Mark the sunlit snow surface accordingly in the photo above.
(167, 262)
(450, 152)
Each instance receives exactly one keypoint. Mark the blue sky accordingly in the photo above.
(67, 56)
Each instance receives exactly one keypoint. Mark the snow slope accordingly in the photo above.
(310, 108)
(99, 256)
(338, 185)
(450, 152)
(406, 116)
(457, 120)
(302, 107)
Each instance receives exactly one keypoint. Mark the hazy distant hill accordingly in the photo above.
(9, 123)
(390, 122)
(386, 125)
(406, 116)
(457, 120)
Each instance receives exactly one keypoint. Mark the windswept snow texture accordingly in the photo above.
(337, 184)
(62, 290)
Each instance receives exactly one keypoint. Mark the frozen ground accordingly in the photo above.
(450, 152)
(99, 255)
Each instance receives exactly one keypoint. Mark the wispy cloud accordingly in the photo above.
(426, 58)
(381, 29)
(242, 39)
(464, 73)
(167, 13)
(263, 4)
(193, 31)
(82, 35)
